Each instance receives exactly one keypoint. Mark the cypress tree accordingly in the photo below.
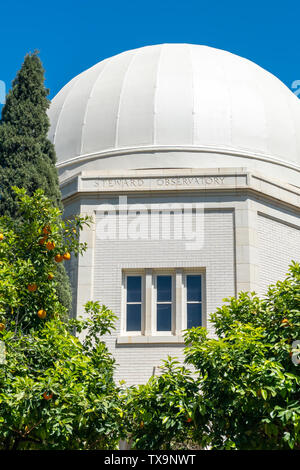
(27, 157)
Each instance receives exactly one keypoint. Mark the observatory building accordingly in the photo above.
(188, 159)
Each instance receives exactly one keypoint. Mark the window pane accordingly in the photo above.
(134, 288)
(194, 315)
(133, 317)
(164, 317)
(164, 288)
(194, 288)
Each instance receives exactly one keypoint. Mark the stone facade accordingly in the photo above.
(249, 233)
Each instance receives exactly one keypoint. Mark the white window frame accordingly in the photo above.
(185, 301)
(124, 330)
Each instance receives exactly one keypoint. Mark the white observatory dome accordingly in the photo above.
(177, 106)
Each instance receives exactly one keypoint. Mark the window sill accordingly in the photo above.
(141, 339)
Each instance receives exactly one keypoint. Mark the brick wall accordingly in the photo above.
(279, 243)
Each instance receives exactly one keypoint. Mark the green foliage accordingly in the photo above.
(27, 157)
(250, 395)
(158, 414)
(56, 390)
(24, 261)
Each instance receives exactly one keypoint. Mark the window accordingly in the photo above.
(162, 302)
(193, 300)
(134, 303)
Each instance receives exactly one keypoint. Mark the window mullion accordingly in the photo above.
(177, 324)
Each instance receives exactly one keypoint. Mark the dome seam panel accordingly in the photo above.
(63, 106)
(267, 138)
(108, 61)
(155, 95)
(120, 97)
(193, 91)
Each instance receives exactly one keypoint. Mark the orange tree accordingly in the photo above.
(30, 249)
(56, 390)
(250, 375)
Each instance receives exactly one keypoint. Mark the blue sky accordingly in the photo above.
(74, 35)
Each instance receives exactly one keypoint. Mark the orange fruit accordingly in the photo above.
(42, 314)
(58, 258)
(32, 287)
(1, 237)
(46, 230)
(67, 256)
(285, 322)
(42, 240)
(50, 245)
(189, 420)
(2, 326)
(47, 396)
(50, 276)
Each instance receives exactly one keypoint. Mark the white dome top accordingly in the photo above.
(176, 98)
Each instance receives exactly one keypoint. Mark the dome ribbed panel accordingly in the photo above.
(136, 109)
(102, 112)
(174, 97)
(68, 137)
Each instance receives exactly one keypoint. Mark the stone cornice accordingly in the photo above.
(179, 180)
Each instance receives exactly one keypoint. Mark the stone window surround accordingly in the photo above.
(148, 332)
